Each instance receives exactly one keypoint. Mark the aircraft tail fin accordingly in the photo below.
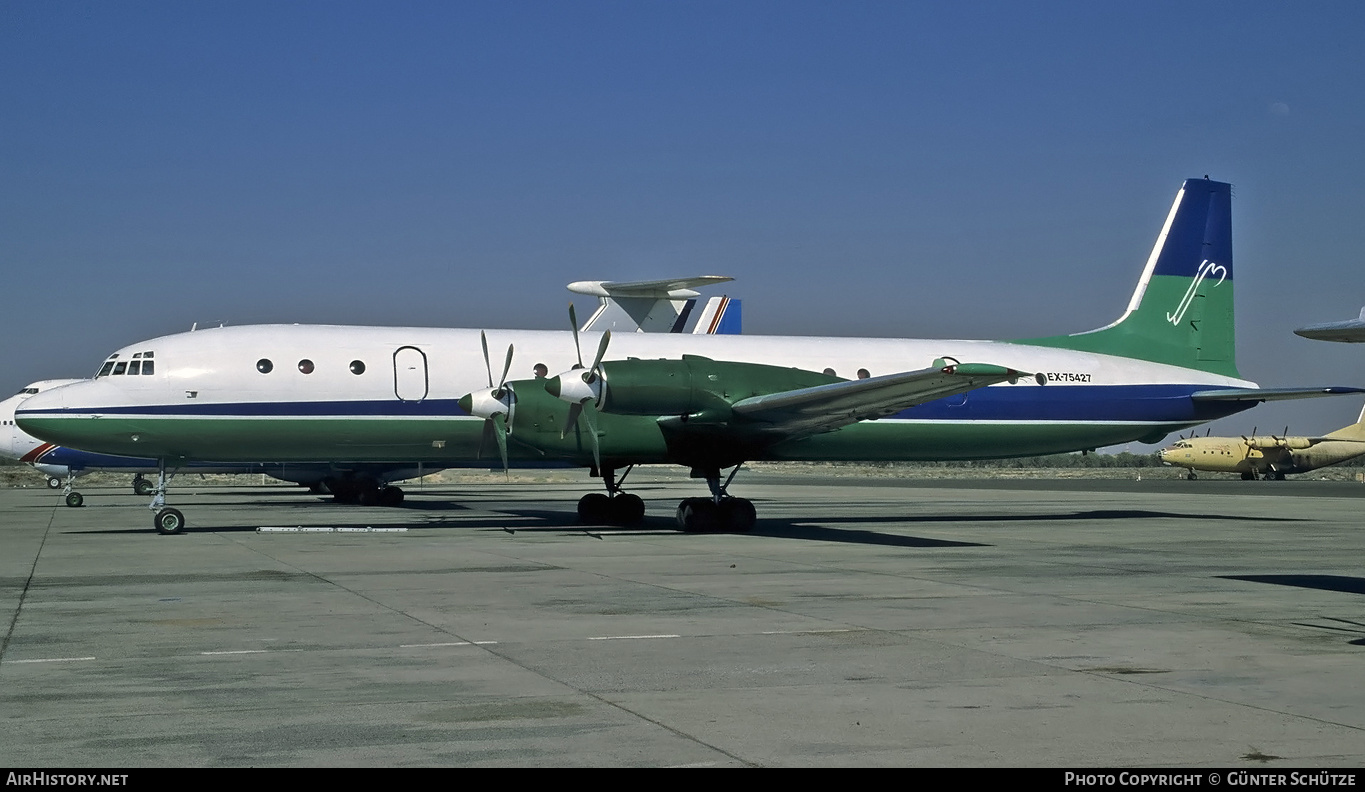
(721, 316)
(1355, 431)
(661, 306)
(1181, 312)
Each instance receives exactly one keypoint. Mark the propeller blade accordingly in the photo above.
(483, 339)
(574, 410)
(573, 323)
(590, 413)
(499, 423)
(506, 367)
(601, 352)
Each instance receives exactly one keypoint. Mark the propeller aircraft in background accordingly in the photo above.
(1270, 458)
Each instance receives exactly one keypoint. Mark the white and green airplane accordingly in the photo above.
(290, 393)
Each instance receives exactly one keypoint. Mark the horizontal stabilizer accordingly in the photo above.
(674, 289)
(1350, 332)
(1271, 394)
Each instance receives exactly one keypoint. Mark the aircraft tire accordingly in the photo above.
(627, 509)
(368, 496)
(1190, 476)
(698, 515)
(54, 483)
(74, 499)
(738, 515)
(1248, 476)
(594, 508)
(142, 486)
(390, 496)
(169, 522)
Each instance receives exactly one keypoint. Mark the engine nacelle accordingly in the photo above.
(694, 385)
(1268, 443)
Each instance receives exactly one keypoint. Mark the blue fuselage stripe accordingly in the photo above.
(1057, 403)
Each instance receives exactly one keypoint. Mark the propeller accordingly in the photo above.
(493, 404)
(581, 388)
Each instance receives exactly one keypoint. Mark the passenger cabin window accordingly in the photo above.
(306, 366)
(264, 366)
(357, 367)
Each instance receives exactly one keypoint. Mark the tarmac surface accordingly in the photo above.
(1068, 624)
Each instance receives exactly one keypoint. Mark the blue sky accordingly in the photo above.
(973, 170)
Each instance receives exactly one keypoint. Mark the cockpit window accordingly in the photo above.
(29, 391)
(148, 366)
(135, 367)
(119, 368)
(104, 371)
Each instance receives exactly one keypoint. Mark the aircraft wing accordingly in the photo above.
(823, 408)
(1271, 394)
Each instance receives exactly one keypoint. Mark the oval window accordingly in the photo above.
(306, 366)
(357, 367)
(264, 366)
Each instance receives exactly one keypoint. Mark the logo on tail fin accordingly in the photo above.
(1206, 269)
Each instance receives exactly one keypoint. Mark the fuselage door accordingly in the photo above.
(410, 374)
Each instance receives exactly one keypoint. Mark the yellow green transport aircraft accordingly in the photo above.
(415, 395)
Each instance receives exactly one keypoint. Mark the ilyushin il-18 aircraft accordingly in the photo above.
(295, 393)
(1271, 458)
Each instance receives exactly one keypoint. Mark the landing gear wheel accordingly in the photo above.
(74, 499)
(1248, 476)
(627, 509)
(368, 496)
(737, 515)
(169, 521)
(390, 496)
(54, 483)
(1190, 476)
(142, 486)
(698, 515)
(594, 509)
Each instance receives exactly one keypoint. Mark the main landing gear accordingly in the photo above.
(615, 507)
(721, 511)
(364, 492)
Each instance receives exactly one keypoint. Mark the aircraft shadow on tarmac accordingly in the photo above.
(1342, 583)
(809, 528)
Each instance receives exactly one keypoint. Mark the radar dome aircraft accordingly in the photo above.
(291, 393)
